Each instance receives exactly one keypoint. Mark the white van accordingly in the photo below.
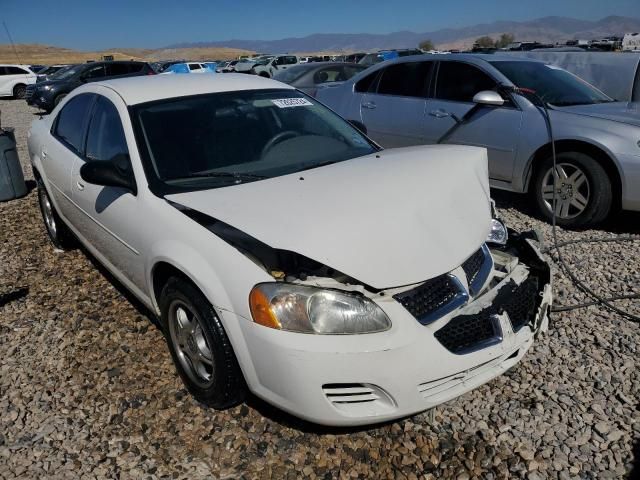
(14, 80)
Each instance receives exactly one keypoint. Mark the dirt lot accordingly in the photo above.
(88, 390)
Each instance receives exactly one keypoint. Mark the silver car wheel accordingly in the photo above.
(190, 344)
(572, 190)
(49, 219)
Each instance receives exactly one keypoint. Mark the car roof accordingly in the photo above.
(148, 88)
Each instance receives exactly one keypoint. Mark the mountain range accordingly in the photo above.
(547, 29)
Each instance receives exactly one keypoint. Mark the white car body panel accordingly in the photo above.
(297, 215)
(8, 82)
(389, 220)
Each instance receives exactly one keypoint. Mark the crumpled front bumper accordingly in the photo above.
(365, 379)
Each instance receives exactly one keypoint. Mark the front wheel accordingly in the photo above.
(583, 190)
(59, 234)
(199, 345)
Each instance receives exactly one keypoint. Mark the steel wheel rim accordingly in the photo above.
(190, 344)
(573, 191)
(47, 213)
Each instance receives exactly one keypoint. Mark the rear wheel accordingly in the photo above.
(20, 91)
(583, 190)
(59, 234)
(264, 74)
(199, 345)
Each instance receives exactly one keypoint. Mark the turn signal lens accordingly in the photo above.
(261, 310)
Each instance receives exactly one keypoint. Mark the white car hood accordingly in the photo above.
(390, 219)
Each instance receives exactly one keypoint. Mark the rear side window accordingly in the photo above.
(194, 66)
(115, 69)
(459, 82)
(366, 83)
(105, 139)
(70, 122)
(16, 71)
(291, 60)
(135, 67)
(406, 79)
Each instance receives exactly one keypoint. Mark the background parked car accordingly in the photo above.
(354, 57)
(423, 99)
(309, 77)
(383, 55)
(269, 68)
(245, 65)
(190, 67)
(47, 95)
(230, 66)
(14, 80)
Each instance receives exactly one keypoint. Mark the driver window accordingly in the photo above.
(105, 139)
(459, 82)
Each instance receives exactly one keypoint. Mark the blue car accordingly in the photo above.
(191, 67)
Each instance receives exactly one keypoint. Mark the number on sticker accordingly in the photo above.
(291, 102)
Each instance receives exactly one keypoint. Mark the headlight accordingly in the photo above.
(498, 234)
(47, 87)
(298, 308)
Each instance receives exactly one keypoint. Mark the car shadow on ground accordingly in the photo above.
(622, 222)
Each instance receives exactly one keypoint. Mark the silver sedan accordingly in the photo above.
(431, 99)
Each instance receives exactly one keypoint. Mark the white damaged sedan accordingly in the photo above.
(284, 252)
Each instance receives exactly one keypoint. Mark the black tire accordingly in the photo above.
(19, 91)
(226, 386)
(600, 192)
(265, 75)
(60, 235)
(58, 99)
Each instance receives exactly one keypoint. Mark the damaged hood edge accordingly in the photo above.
(390, 219)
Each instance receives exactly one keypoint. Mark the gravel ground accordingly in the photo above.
(88, 390)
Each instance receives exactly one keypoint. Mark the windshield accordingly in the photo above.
(553, 84)
(66, 72)
(221, 139)
(371, 59)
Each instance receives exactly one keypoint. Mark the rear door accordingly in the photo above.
(63, 148)
(394, 110)
(107, 216)
(495, 128)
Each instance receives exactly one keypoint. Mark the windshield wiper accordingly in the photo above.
(317, 165)
(235, 175)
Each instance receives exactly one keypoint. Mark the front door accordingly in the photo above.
(59, 155)
(109, 218)
(495, 128)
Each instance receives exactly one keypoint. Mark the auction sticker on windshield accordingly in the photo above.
(291, 102)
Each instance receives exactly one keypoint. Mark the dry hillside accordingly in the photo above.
(48, 55)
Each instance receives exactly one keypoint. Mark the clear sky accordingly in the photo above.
(98, 24)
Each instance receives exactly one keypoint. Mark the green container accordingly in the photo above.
(11, 178)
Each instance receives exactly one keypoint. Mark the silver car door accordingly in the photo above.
(64, 146)
(108, 216)
(394, 113)
(495, 128)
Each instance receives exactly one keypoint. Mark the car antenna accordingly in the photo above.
(13, 45)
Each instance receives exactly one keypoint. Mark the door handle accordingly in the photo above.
(369, 105)
(439, 113)
(80, 185)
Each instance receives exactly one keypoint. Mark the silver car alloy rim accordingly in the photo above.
(190, 344)
(47, 210)
(572, 190)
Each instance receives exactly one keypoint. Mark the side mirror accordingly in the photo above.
(112, 173)
(488, 97)
(359, 125)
